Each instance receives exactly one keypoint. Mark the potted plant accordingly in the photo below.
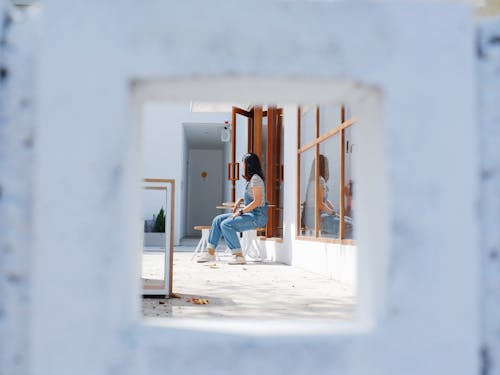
(156, 238)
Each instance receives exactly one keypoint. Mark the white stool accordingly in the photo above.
(202, 244)
(250, 245)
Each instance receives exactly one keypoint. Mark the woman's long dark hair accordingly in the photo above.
(252, 166)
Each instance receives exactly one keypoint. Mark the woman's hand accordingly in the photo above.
(237, 213)
(237, 206)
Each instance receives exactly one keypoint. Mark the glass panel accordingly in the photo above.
(329, 187)
(280, 171)
(264, 142)
(350, 150)
(307, 124)
(241, 150)
(329, 118)
(307, 193)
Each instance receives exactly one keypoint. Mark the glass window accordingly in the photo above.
(329, 118)
(307, 193)
(349, 186)
(241, 149)
(329, 187)
(307, 124)
(326, 185)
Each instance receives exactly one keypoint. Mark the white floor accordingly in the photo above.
(254, 290)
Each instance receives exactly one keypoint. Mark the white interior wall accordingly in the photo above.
(164, 153)
(163, 156)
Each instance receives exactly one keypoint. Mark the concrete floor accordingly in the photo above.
(255, 290)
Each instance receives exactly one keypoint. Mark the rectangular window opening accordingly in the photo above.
(325, 153)
(312, 276)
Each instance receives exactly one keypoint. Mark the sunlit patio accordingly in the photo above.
(253, 290)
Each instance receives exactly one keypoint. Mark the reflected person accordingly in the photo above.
(329, 217)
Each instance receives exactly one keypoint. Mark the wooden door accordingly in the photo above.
(233, 168)
(266, 140)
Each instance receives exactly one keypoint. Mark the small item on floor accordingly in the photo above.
(214, 266)
(244, 268)
(198, 301)
(161, 302)
(173, 295)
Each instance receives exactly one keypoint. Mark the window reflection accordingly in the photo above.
(326, 184)
(307, 193)
(329, 187)
(349, 150)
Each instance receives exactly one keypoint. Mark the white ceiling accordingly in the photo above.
(203, 135)
(216, 107)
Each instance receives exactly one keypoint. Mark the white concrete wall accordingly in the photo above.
(417, 288)
(488, 54)
(17, 138)
(164, 154)
(389, 41)
(163, 157)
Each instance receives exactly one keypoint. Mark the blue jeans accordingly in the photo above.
(330, 226)
(228, 227)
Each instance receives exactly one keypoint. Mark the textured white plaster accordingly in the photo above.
(488, 54)
(16, 166)
(420, 57)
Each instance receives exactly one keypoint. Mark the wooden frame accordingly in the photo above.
(166, 290)
(320, 138)
(274, 160)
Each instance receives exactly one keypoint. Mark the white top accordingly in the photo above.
(256, 180)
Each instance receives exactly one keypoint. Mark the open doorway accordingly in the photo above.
(204, 171)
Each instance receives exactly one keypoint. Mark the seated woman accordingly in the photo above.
(252, 216)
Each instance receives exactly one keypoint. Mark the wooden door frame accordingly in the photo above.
(273, 167)
(233, 167)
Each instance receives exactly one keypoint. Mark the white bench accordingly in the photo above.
(202, 244)
(250, 245)
(248, 239)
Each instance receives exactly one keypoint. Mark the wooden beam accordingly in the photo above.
(316, 181)
(250, 134)
(233, 152)
(342, 171)
(343, 125)
(257, 127)
(160, 180)
(328, 134)
(307, 146)
(299, 213)
(271, 170)
(155, 188)
(242, 112)
(279, 170)
(172, 217)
